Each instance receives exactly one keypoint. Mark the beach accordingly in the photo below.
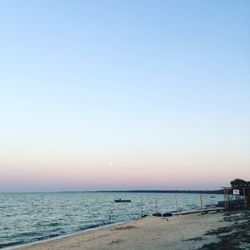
(193, 231)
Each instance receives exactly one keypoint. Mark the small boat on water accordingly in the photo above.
(120, 200)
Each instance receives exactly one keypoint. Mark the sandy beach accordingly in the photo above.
(177, 232)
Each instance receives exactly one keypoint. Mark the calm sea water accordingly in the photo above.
(29, 217)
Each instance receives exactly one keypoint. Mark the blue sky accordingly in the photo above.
(90, 88)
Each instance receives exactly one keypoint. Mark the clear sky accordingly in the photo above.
(124, 94)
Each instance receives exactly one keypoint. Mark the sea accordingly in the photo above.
(31, 217)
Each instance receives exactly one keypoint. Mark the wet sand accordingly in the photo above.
(177, 232)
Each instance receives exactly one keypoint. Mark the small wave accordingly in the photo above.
(46, 237)
(100, 224)
(26, 234)
(10, 244)
(54, 224)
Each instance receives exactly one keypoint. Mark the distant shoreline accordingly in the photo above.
(219, 191)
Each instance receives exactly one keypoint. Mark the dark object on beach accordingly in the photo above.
(167, 214)
(120, 200)
(144, 215)
(157, 214)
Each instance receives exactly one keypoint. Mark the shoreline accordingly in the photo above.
(63, 236)
(176, 232)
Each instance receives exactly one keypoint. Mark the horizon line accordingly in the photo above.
(125, 191)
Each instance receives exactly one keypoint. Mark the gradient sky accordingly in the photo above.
(124, 94)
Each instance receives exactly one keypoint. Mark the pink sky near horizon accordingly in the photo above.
(149, 166)
(93, 175)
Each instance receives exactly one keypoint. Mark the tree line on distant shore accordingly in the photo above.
(219, 191)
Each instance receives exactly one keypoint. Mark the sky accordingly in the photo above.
(102, 95)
